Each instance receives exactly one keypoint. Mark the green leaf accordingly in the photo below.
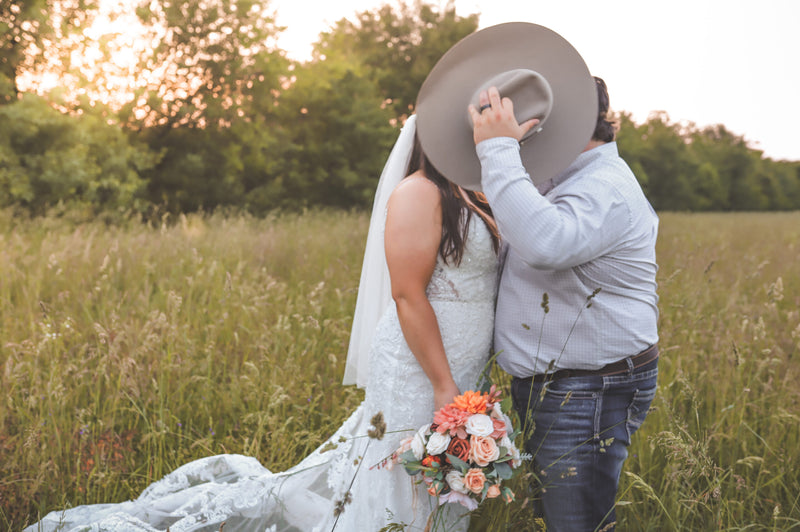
(504, 470)
(458, 463)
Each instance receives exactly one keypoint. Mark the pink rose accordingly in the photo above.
(493, 491)
(460, 498)
(499, 429)
(483, 450)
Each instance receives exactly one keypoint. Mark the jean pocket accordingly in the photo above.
(638, 408)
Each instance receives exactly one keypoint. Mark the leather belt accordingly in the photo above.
(615, 368)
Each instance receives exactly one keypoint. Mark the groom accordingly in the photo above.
(582, 249)
(576, 313)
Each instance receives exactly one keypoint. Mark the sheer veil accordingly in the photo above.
(374, 290)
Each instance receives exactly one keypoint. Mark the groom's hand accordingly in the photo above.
(497, 120)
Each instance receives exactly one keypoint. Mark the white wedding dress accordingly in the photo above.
(240, 492)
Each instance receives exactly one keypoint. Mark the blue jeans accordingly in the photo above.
(578, 430)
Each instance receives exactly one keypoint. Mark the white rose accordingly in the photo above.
(456, 482)
(516, 459)
(438, 443)
(418, 442)
(505, 441)
(479, 425)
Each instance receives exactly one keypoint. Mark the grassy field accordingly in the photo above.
(130, 349)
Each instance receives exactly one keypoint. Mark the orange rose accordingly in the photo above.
(459, 448)
(428, 461)
(483, 450)
(473, 402)
(474, 480)
(493, 491)
(508, 495)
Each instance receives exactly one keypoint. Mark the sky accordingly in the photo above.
(731, 62)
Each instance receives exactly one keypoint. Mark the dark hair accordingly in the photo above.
(458, 206)
(605, 129)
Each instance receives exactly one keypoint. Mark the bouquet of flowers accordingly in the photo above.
(466, 453)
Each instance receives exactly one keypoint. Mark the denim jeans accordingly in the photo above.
(578, 430)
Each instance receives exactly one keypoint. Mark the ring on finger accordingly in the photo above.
(483, 107)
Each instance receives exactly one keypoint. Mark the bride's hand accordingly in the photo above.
(444, 397)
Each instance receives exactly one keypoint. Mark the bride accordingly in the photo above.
(422, 331)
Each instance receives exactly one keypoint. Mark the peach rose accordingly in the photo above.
(493, 491)
(435, 488)
(474, 480)
(482, 450)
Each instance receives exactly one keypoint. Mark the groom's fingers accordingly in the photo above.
(494, 98)
(528, 125)
(483, 99)
(473, 114)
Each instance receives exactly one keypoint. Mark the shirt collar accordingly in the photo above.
(584, 159)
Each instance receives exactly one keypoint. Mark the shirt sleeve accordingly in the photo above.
(576, 227)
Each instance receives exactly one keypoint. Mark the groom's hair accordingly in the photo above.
(604, 129)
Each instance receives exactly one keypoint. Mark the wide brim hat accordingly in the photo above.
(539, 70)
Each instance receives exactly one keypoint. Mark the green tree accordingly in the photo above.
(48, 157)
(735, 163)
(397, 44)
(659, 152)
(338, 135)
(33, 32)
(212, 63)
(210, 84)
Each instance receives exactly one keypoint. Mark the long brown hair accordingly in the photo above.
(458, 206)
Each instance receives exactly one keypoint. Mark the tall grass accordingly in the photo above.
(130, 349)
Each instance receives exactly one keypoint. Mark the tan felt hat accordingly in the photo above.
(543, 75)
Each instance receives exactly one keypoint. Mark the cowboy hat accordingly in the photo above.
(539, 70)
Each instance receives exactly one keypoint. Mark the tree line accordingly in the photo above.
(217, 115)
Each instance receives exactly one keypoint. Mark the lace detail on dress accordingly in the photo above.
(240, 492)
(470, 280)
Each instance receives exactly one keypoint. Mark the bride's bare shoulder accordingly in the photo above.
(416, 187)
(414, 201)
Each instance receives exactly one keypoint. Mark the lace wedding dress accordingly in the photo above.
(240, 492)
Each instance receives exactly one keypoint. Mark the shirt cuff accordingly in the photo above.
(497, 153)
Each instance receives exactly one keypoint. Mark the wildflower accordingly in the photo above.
(340, 504)
(379, 427)
(328, 447)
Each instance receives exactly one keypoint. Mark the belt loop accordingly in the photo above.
(630, 366)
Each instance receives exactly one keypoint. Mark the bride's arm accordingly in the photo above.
(413, 233)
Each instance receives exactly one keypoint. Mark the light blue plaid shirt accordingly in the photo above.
(592, 229)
